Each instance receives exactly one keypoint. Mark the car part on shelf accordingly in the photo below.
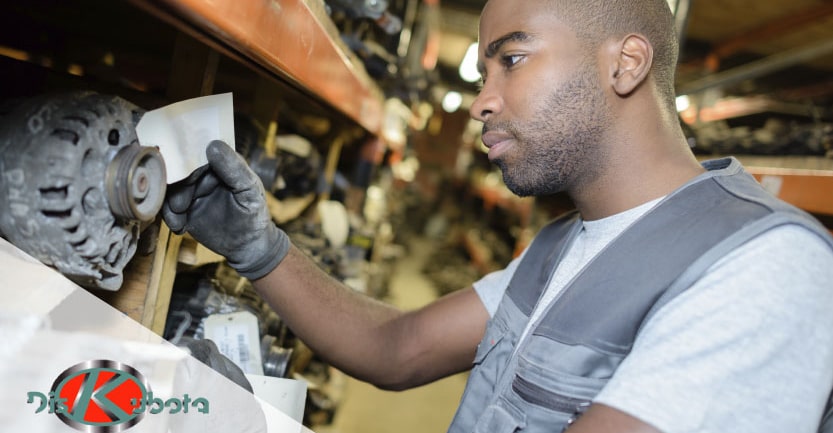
(376, 10)
(267, 169)
(276, 359)
(218, 289)
(300, 166)
(76, 185)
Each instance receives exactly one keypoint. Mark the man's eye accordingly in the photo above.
(511, 60)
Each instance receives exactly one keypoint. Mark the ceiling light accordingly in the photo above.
(468, 67)
(452, 101)
(683, 103)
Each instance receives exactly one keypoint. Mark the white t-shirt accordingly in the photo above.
(748, 348)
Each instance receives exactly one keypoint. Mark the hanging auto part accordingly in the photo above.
(75, 184)
(376, 10)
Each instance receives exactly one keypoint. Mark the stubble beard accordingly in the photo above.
(558, 149)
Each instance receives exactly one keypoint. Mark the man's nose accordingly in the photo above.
(487, 103)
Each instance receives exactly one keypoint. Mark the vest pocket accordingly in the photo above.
(545, 410)
(490, 359)
(539, 396)
(550, 397)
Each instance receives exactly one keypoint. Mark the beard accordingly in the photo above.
(558, 149)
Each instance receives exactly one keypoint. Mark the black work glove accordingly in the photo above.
(223, 206)
(206, 351)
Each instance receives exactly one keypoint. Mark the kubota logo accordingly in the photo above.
(105, 396)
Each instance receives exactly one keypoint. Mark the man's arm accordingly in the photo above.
(369, 339)
(223, 206)
(747, 348)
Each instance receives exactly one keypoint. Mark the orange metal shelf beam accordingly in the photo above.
(811, 190)
(288, 38)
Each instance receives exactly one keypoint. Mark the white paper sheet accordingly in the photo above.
(183, 130)
(287, 395)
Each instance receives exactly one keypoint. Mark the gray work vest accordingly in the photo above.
(583, 336)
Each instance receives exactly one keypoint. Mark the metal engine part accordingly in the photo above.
(76, 185)
(276, 359)
(376, 10)
(267, 169)
(300, 174)
(218, 289)
(361, 8)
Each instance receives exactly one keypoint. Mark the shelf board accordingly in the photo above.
(803, 181)
(811, 190)
(294, 40)
(148, 281)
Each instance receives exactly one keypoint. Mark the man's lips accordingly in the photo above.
(497, 142)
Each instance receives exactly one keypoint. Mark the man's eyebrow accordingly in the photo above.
(494, 47)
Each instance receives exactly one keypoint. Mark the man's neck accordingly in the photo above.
(633, 183)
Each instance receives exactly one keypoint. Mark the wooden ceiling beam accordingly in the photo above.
(768, 30)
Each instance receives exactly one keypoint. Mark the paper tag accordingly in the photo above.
(237, 335)
(183, 130)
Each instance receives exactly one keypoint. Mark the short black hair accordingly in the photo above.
(595, 21)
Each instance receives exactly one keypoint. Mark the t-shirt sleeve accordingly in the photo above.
(748, 348)
(491, 287)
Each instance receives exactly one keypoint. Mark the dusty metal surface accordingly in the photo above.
(75, 184)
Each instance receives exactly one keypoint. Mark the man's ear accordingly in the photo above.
(632, 58)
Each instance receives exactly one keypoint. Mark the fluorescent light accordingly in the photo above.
(468, 67)
(452, 101)
(683, 103)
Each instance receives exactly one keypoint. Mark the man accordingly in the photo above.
(679, 298)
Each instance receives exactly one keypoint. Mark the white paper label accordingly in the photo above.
(183, 130)
(237, 336)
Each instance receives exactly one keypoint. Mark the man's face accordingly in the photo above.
(542, 105)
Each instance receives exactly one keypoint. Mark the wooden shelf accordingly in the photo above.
(148, 282)
(803, 181)
(293, 40)
(286, 210)
(811, 190)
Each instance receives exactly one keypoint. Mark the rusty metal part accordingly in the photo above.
(132, 183)
(75, 185)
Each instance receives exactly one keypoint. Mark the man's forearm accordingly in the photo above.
(371, 340)
(350, 330)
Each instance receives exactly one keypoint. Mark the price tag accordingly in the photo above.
(237, 335)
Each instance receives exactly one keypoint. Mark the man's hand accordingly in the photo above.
(223, 206)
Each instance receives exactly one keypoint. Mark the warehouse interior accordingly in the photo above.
(354, 113)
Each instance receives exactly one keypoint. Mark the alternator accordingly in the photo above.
(76, 185)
